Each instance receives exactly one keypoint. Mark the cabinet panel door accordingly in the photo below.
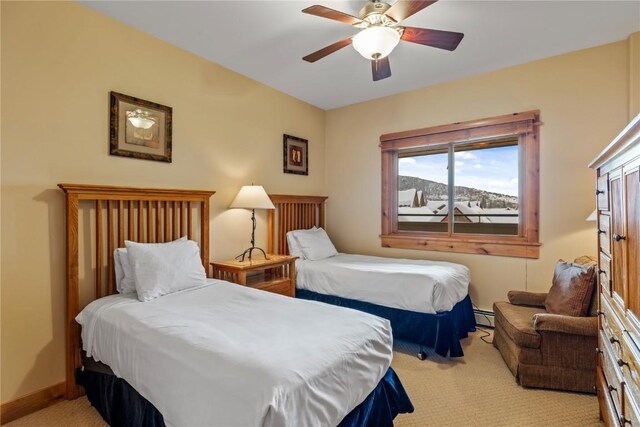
(618, 275)
(602, 192)
(632, 238)
(604, 274)
(604, 234)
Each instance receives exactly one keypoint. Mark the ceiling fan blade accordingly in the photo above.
(325, 12)
(402, 9)
(447, 40)
(380, 68)
(319, 54)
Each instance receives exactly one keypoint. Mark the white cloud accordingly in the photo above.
(465, 155)
(407, 160)
(477, 166)
(459, 163)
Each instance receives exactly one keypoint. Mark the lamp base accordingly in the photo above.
(248, 252)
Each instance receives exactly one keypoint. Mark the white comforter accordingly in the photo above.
(415, 285)
(226, 355)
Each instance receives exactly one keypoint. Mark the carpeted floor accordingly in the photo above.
(477, 390)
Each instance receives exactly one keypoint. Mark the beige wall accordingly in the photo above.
(59, 62)
(634, 75)
(583, 99)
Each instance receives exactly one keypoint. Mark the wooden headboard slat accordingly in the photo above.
(110, 248)
(165, 236)
(189, 220)
(130, 219)
(141, 238)
(121, 199)
(98, 248)
(292, 213)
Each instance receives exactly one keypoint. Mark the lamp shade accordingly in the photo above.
(376, 42)
(252, 197)
(593, 216)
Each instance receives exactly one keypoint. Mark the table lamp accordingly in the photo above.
(252, 197)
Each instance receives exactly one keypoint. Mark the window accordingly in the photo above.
(468, 187)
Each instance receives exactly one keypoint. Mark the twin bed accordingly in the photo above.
(214, 353)
(226, 355)
(427, 302)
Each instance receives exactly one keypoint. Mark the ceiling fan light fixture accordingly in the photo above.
(376, 42)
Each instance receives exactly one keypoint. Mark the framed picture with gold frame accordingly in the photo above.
(139, 129)
(295, 155)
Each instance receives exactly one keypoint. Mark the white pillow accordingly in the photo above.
(315, 244)
(164, 268)
(125, 281)
(292, 243)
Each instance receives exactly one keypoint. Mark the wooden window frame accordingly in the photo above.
(525, 127)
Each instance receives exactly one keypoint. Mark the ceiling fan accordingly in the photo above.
(381, 33)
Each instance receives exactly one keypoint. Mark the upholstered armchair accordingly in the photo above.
(545, 350)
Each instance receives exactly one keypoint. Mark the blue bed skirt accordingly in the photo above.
(120, 404)
(382, 405)
(441, 331)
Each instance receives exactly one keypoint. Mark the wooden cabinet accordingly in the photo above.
(618, 203)
(276, 274)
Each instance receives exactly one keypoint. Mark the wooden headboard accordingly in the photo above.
(146, 215)
(292, 213)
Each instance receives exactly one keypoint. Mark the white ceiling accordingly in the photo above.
(265, 40)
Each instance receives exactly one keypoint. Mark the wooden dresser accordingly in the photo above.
(618, 204)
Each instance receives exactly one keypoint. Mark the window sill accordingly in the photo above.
(508, 247)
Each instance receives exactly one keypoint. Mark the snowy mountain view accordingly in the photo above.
(432, 190)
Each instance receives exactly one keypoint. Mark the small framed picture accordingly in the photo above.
(139, 129)
(296, 157)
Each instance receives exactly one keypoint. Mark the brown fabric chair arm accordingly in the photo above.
(546, 322)
(530, 299)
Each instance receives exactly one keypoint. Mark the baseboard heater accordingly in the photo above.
(484, 317)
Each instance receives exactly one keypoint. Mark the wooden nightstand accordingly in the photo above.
(276, 274)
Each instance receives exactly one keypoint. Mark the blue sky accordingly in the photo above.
(491, 169)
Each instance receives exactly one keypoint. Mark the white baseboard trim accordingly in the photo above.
(484, 318)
